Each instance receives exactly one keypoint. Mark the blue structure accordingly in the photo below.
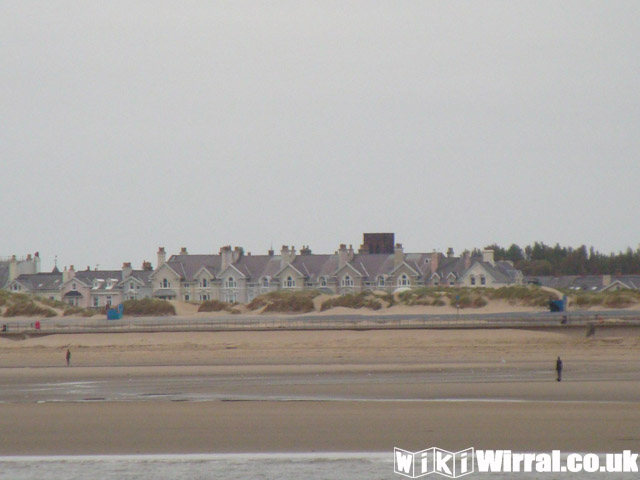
(558, 305)
(115, 313)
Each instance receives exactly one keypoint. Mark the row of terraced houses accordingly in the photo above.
(232, 275)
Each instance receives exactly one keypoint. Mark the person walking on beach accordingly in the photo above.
(559, 369)
(68, 357)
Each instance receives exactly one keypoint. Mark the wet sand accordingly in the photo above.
(320, 391)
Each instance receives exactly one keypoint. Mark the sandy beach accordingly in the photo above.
(320, 391)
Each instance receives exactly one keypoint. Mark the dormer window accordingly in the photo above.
(204, 283)
(165, 283)
(381, 281)
(231, 282)
(404, 281)
(347, 281)
(323, 282)
(289, 282)
(265, 282)
(95, 284)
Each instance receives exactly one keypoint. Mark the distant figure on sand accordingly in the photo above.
(68, 358)
(559, 369)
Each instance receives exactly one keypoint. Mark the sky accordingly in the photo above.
(129, 125)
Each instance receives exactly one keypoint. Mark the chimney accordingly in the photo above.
(287, 256)
(146, 266)
(183, 251)
(162, 256)
(68, 274)
(305, 250)
(238, 252)
(450, 253)
(270, 252)
(13, 268)
(343, 255)
(487, 257)
(467, 259)
(398, 255)
(435, 260)
(126, 270)
(28, 257)
(226, 257)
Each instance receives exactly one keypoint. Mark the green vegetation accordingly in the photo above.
(148, 306)
(54, 303)
(358, 300)
(285, 302)
(617, 299)
(28, 309)
(541, 259)
(84, 312)
(216, 306)
(427, 296)
(530, 296)
(21, 305)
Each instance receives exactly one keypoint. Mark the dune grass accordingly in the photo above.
(285, 302)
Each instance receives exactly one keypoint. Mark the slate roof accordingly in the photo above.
(40, 281)
(188, 265)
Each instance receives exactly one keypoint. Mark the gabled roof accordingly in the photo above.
(40, 281)
(186, 266)
(289, 265)
(142, 277)
(350, 267)
(405, 264)
(230, 267)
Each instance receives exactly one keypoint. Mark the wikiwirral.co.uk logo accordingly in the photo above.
(433, 460)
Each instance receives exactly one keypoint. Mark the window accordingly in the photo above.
(347, 281)
(73, 286)
(230, 297)
(265, 282)
(165, 283)
(96, 301)
(451, 283)
(131, 286)
(403, 281)
(231, 283)
(323, 282)
(187, 297)
(109, 300)
(381, 281)
(289, 282)
(205, 297)
(95, 284)
(204, 283)
(483, 280)
(473, 279)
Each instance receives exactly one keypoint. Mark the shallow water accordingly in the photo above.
(309, 466)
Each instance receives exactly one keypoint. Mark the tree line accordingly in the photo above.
(541, 259)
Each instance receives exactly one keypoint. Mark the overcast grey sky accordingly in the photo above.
(126, 125)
